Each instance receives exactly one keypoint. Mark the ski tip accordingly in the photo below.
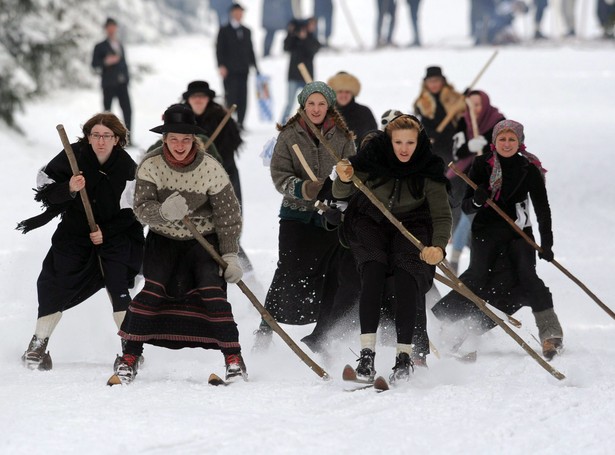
(114, 380)
(349, 374)
(216, 380)
(381, 384)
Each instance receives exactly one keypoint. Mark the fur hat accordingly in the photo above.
(198, 87)
(179, 118)
(345, 81)
(388, 116)
(511, 125)
(317, 87)
(433, 71)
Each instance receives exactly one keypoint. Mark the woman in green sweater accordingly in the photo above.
(398, 166)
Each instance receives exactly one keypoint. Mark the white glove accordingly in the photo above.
(174, 207)
(233, 272)
(476, 144)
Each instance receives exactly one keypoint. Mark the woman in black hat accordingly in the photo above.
(183, 303)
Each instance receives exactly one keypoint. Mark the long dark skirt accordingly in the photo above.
(306, 276)
(71, 271)
(183, 303)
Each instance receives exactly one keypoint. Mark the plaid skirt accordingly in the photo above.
(183, 303)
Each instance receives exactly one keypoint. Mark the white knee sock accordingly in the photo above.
(46, 324)
(118, 317)
(407, 348)
(368, 341)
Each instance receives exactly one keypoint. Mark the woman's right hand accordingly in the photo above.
(344, 170)
(76, 183)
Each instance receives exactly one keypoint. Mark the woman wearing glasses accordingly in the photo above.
(81, 262)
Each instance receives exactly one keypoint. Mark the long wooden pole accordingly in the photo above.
(74, 167)
(261, 309)
(443, 266)
(537, 247)
(452, 114)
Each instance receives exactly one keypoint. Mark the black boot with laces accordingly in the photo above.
(402, 369)
(366, 370)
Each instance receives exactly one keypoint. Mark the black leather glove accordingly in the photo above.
(547, 253)
(333, 216)
(480, 196)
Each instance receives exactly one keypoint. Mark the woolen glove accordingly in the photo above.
(344, 170)
(174, 207)
(233, 272)
(480, 196)
(476, 144)
(310, 189)
(547, 253)
(432, 255)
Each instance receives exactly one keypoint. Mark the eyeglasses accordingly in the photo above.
(104, 137)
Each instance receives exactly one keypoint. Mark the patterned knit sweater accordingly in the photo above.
(213, 206)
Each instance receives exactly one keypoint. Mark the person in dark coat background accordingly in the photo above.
(323, 13)
(436, 100)
(302, 44)
(71, 270)
(109, 59)
(358, 117)
(276, 16)
(235, 55)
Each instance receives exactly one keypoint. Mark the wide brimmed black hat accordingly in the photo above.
(179, 118)
(198, 87)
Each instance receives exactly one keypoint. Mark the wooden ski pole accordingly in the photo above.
(223, 122)
(446, 120)
(261, 309)
(537, 247)
(483, 69)
(305, 74)
(74, 167)
(443, 266)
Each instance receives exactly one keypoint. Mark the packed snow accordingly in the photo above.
(505, 402)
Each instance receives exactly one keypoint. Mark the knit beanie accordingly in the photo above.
(515, 127)
(345, 81)
(317, 87)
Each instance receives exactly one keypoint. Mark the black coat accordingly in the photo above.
(112, 75)
(301, 51)
(519, 178)
(359, 119)
(71, 270)
(229, 140)
(233, 52)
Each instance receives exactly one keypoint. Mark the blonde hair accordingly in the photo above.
(403, 122)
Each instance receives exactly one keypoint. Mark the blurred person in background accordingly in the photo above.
(323, 12)
(276, 16)
(386, 13)
(109, 60)
(235, 55)
(302, 45)
(358, 117)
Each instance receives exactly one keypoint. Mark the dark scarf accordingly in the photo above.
(377, 157)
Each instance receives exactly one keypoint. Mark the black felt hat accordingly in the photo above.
(110, 21)
(179, 118)
(433, 71)
(198, 87)
(236, 6)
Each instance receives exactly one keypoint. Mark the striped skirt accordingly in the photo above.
(183, 303)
